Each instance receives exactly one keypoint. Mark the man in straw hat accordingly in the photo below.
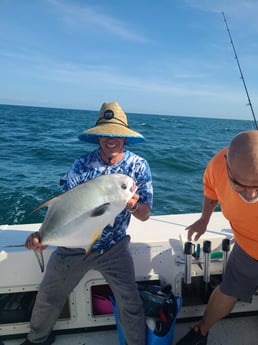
(110, 254)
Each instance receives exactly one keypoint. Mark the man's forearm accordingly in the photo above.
(207, 209)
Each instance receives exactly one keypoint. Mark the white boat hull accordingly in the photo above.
(157, 250)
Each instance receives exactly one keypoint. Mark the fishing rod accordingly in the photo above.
(241, 74)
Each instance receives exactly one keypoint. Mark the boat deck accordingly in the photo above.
(238, 330)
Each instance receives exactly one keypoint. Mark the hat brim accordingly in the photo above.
(91, 135)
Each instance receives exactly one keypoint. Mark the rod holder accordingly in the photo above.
(206, 253)
(225, 249)
(188, 251)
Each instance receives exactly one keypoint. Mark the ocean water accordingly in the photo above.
(38, 145)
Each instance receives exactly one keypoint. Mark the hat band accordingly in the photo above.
(118, 122)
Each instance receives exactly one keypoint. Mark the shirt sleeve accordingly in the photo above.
(213, 175)
(73, 176)
(144, 184)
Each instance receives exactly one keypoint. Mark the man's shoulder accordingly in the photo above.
(223, 151)
(217, 165)
(220, 155)
(134, 156)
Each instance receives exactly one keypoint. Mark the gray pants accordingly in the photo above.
(65, 271)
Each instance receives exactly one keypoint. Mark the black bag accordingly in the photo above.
(160, 304)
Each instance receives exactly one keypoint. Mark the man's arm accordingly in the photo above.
(200, 226)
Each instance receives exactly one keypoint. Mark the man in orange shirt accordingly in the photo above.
(231, 179)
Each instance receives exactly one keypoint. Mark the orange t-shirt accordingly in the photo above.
(242, 216)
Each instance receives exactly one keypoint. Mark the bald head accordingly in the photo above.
(243, 156)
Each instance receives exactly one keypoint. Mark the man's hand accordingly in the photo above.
(132, 203)
(33, 242)
(199, 227)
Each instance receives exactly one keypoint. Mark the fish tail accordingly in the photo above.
(38, 254)
(40, 259)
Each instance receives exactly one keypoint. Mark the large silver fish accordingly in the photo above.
(76, 218)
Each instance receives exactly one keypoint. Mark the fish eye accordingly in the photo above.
(123, 186)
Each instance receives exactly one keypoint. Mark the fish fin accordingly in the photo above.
(95, 237)
(100, 210)
(40, 259)
(45, 204)
(49, 202)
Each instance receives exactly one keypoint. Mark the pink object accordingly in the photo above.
(101, 305)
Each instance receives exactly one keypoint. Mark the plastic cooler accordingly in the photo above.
(151, 337)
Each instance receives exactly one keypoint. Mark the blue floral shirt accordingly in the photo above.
(91, 165)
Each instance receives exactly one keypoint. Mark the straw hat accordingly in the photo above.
(112, 122)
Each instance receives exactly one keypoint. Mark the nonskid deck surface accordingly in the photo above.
(231, 331)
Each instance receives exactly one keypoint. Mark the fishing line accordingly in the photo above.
(241, 74)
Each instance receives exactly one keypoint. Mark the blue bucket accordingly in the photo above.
(151, 337)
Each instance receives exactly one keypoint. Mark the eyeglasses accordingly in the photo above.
(237, 186)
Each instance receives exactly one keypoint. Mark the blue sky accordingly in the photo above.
(156, 57)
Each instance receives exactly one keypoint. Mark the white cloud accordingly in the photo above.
(245, 11)
(83, 17)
